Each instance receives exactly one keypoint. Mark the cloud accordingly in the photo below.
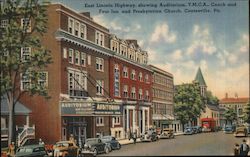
(201, 41)
(162, 32)
(177, 55)
(244, 43)
(100, 19)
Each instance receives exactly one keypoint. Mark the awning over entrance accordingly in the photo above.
(20, 109)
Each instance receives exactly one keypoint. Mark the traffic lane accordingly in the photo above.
(217, 143)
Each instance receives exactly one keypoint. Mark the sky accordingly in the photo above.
(180, 43)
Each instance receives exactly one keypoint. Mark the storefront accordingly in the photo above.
(87, 119)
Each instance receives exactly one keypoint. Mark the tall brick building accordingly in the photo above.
(98, 84)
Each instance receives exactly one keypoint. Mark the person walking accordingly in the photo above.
(11, 152)
(244, 148)
(40, 142)
(236, 150)
(134, 137)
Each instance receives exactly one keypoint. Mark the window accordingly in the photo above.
(89, 60)
(83, 31)
(64, 52)
(43, 79)
(99, 64)
(77, 83)
(4, 23)
(25, 53)
(26, 24)
(25, 81)
(77, 26)
(116, 120)
(99, 121)
(71, 57)
(123, 50)
(125, 72)
(77, 56)
(125, 91)
(114, 46)
(117, 80)
(146, 95)
(133, 93)
(133, 74)
(83, 59)
(99, 87)
(140, 76)
(140, 94)
(146, 78)
(70, 25)
(99, 38)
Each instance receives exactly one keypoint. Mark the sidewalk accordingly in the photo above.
(127, 141)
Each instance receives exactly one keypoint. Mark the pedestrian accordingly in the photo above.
(134, 137)
(129, 134)
(236, 150)
(11, 151)
(244, 148)
(40, 142)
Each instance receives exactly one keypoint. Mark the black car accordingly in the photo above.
(112, 142)
(94, 146)
(31, 151)
(197, 129)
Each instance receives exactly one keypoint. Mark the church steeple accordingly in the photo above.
(200, 79)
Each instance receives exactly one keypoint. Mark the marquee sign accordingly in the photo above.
(107, 108)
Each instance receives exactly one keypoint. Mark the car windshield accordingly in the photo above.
(107, 138)
(62, 144)
(91, 141)
(24, 150)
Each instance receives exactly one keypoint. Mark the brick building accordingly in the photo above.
(96, 88)
(163, 95)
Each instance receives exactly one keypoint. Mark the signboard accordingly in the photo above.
(76, 108)
(106, 108)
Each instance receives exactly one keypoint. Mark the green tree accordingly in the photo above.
(247, 113)
(230, 115)
(211, 99)
(22, 55)
(188, 103)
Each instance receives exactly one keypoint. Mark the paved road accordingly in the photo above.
(217, 143)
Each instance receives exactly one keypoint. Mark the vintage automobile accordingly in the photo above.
(112, 142)
(188, 131)
(167, 133)
(31, 151)
(228, 129)
(197, 129)
(149, 136)
(241, 131)
(94, 146)
(65, 148)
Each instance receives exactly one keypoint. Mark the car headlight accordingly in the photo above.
(60, 153)
(85, 146)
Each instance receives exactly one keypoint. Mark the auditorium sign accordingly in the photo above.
(107, 108)
(76, 108)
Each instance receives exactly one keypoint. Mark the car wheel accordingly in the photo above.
(119, 146)
(106, 150)
(95, 152)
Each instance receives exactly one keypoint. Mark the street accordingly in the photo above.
(217, 143)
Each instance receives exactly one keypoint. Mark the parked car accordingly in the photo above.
(94, 146)
(112, 142)
(197, 129)
(188, 131)
(65, 148)
(31, 151)
(167, 133)
(241, 131)
(228, 129)
(149, 136)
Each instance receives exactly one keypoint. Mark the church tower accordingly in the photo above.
(199, 78)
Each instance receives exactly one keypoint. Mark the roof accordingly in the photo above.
(212, 107)
(199, 77)
(20, 109)
(234, 100)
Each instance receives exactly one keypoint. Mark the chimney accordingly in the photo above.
(236, 95)
(226, 96)
(87, 14)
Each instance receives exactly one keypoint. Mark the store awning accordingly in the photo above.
(20, 109)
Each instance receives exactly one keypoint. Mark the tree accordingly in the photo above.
(247, 113)
(22, 56)
(211, 99)
(230, 115)
(188, 102)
